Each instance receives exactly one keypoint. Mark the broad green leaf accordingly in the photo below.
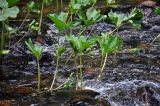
(134, 18)
(36, 50)
(109, 43)
(12, 2)
(157, 10)
(33, 7)
(117, 19)
(92, 16)
(9, 12)
(78, 4)
(59, 20)
(80, 44)
(3, 4)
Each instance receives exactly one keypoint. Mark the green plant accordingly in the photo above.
(60, 20)
(80, 45)
(134, 18)
(110, 3)
(5, 13)
(79, 4)
(59, 52)
(157, 10)
(33, 25)
(37, 52)
(13, 2)
(44, 3)
(108, 44)
(91, 16)
(4, 52)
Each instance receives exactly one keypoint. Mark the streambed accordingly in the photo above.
(131, 78)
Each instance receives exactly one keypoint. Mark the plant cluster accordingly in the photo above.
(81, 45)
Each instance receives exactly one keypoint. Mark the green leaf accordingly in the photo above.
(92, 16)
(60, 51)
(47, 2)
(12, 2)
(109, 43)
(9, 12)
(78, 4)
(34, 25)
(33, 7)
(110, 3)
(36, 50)
(157, 10)
(80, 44)
(10, 29)
(4, 52)
(134, 18)
(117, 19)
(3, 4)
(59, 20)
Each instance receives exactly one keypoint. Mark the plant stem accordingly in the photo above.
(39, 76)
(75, 61)
(41, 17)
(24, 20)
(68, 59)
(81, 73)
(82, 31)
(57, 6)
(100, 73)
(71, 21)
(154, 39)
(55, 73)
(105, 60)
(57, 65)
(2, 38)
(62, 5)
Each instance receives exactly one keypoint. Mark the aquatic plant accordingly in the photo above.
(91, 16)
(44, 3)
(110, 3)
(37, 52)
(5, 13)
(108, 44)
(60, 21)
(119, 19)
(79, 4)
(59, 52)
(12, 2)
(80, 45)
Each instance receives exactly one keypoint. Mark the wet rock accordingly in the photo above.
(149, 3)
(147, 96)
(123, 93)
(6, 102)
(23, 90)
